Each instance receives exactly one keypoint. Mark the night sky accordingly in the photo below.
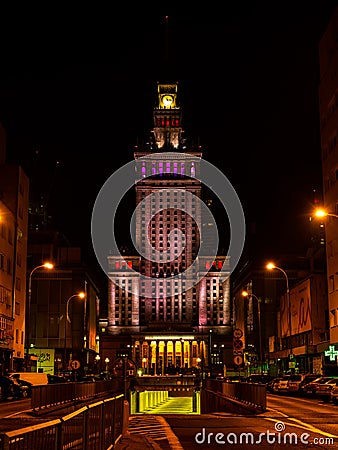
(77, 93)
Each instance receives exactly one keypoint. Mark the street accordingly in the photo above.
(14, 406)
(289, 422)
(314, 424)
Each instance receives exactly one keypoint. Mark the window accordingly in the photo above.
(3, 230)
(192, 170)
(331, 283)
(9, 266)
(10, 236)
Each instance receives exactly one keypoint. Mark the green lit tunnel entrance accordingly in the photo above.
(171, 401)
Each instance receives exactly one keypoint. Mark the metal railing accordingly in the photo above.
(51, 395)
(98, 426)
(250, 394)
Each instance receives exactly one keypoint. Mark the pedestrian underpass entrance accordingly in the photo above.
(165, 395)
(165, 402)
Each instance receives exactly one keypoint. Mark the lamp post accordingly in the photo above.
(46, 265)
(271, 266)
(201, 351)
(67, 318)
(144, 363)
(107, 360)
(250, 294)
(198, 360)
(97, 360)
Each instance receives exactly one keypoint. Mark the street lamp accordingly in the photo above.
(46, 265)
(271, 266)
(249, 294)
(97, 360)
(320, 213)
(80, 295)
(144, 363)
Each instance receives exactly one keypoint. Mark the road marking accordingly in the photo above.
(17, 413)
(303, 425)
(314, 429)
(307, 426)
(277, 412)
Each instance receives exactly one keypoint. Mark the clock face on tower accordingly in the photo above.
(167, 100)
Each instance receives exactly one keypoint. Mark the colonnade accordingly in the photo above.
(162, 355)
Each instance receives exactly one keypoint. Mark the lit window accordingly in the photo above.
(143, 170)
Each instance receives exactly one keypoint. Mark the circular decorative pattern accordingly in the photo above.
(280, 426)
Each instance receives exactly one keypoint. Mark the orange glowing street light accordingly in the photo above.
(320, 213)
(80, 295)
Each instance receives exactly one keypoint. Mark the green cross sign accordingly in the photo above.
(332, 353)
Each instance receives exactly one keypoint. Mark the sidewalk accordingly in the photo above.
(148, 432)
(133, 441)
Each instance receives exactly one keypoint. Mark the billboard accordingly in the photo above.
(300, 313)
(44, 358)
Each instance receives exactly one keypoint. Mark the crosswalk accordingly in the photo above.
(157, 429)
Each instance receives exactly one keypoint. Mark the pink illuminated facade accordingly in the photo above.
(169, 307)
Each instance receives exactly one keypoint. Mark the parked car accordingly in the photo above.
(53, 379)
(24, 383)
(273, 384)
(296, 382)
(260, 379)
(334, 395)
(323, 391)
(11, 389)
(88, 378)
(283, 385)
(309, 389)
(35, 378)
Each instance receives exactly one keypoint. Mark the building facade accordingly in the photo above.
(169, 307)
(14, 192)
(63, 327)
(328, 104)
(302, 349)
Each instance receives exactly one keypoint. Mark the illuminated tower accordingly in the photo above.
(169, 297)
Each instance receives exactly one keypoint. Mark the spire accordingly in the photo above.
(167, 68)
(166, 54)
